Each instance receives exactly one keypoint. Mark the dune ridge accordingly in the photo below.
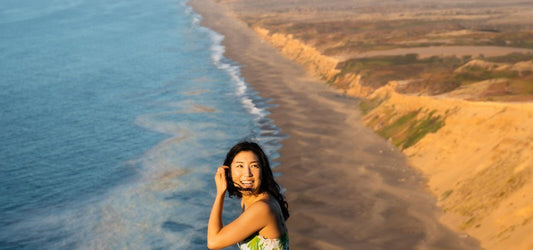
(478, 164)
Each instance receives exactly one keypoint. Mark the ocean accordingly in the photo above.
(114, 118)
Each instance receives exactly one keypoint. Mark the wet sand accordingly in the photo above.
(347, 188)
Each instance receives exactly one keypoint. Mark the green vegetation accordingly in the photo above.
(476, 74)
(371, 62)
(524, 86)
(408, 129)
(377, 71)
(445, 195)
(519, 39)
(436, 75)
(368, 105)
(470, 222)
(510, 58)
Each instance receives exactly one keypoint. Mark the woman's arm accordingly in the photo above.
(250, 221)
(215, 219)
(255, 218)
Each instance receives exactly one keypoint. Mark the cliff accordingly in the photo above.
(314, 62)
(477, 156)
(478, 163)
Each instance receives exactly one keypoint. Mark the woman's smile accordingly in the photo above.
(247, 184)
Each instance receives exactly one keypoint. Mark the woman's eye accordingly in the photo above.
(238, 166)
(255, 166)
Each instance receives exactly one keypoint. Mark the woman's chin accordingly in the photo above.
(247, 191)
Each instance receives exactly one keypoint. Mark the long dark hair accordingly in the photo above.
(268, 184)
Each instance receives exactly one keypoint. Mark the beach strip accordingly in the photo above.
(347, 188)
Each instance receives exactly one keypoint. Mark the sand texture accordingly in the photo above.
(448, 83)
(479, 164)
(347, 188)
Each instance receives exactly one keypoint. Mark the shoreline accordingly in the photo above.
(346, 187)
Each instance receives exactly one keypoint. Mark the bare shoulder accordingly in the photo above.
(261, 205)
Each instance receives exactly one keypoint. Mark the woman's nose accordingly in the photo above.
(249, 172)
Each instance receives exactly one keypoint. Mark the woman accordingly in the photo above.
(246, 174)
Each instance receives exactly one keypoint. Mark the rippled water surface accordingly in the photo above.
(114, 116)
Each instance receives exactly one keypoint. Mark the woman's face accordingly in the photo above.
(246, 172)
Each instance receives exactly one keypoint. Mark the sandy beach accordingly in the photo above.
(347, 188)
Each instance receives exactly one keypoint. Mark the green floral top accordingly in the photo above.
(258, 242)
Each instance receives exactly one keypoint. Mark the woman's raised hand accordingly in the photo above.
(220, 179)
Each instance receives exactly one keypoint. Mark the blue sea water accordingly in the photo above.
(114, 117)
